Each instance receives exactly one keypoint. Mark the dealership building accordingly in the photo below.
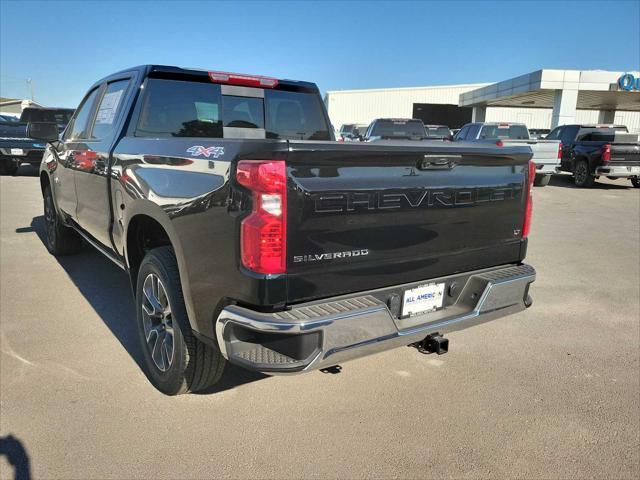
(542, 100)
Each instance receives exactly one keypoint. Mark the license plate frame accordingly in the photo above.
(17, 151)
(422, 299)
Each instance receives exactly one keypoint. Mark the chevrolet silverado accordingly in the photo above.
(546, 153)
(591, 151)
(251, 236)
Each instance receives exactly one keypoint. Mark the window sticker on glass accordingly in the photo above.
(109, 107)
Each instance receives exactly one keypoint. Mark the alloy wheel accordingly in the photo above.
(49, 221)
(157, 321)
(581, 173)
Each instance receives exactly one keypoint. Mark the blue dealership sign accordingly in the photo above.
(628, 82)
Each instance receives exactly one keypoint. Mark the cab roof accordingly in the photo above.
(178, 73)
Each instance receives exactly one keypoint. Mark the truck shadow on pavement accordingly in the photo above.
(566, 181)
(16, 455)
(106, 287)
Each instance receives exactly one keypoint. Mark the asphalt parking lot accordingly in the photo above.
(553, 392)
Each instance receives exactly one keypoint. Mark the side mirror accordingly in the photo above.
(47, 131)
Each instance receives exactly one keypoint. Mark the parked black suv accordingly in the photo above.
(251, 236)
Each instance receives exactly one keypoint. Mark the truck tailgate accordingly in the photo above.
(625, 153)
(364, 216)
(545, 152)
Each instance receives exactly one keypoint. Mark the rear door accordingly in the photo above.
(92, 161)
(364, 216)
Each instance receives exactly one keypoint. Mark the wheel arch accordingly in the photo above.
(148, 227)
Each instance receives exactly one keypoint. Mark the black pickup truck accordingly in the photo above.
(591, 151)
(16, 147)
(251, 236)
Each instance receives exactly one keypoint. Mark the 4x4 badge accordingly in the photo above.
(199, 150)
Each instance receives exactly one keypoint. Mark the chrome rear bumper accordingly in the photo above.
(547, 168)
(618, 171)
(321, 334)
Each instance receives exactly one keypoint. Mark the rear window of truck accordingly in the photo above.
(60, 116)
(176, 108)
(599, 133)
(438, 132)
(398, 129)
(504, 132)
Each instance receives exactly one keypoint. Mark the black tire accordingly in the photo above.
(193, 365)
(635, 181)
(541, 180)
(8, 168)
(59, 239)
(582, 175)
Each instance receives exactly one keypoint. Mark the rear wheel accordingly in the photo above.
(582, 176)
(541, 180)
(635, 181)
(60, 240)
(175, 361)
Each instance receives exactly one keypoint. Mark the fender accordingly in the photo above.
(47, 168)
(149, 209)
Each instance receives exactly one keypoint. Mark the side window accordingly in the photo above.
(568, 135)
(109, 107)
(81, 122)
(555, 134)
(370, 129)
(174, 108)
(472, 133)
(462, 134)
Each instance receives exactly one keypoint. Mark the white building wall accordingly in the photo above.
(541, 117)
(531, 117)
(630, 119)
(363, 106)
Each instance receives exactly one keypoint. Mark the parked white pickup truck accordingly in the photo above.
(546, 153)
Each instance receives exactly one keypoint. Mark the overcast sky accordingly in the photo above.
(65, 46)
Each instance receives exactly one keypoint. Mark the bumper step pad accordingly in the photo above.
(265, 356)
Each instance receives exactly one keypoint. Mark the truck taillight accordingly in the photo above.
(560, 151)
(263, 234)
(528, 209)
(606, 153)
